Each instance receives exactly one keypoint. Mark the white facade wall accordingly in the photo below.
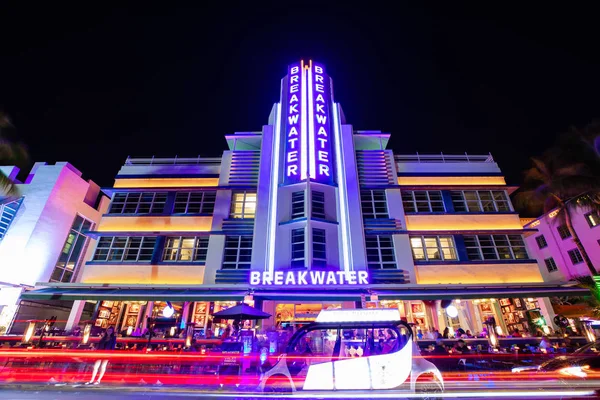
(53, 196)
(558, 248)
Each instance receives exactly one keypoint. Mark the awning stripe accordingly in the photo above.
(397, 292)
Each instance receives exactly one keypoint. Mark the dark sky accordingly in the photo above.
(92, 86)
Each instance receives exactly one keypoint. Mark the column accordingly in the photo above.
(268, 306)
(147, 313)
(75, 314)
(547, 312)
(185, 313)
(499, 317)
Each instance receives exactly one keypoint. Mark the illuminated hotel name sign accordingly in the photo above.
(308, 124)
(309, 278)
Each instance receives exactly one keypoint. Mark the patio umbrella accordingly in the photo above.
(241, 312)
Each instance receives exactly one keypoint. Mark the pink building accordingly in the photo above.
(553, 247)
(43, 238)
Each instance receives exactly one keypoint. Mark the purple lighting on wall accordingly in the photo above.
(321, 166)
(294, 125)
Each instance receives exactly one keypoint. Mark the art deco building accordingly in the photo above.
(305, 214)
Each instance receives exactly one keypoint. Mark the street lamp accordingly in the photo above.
(490, 323)
(87, 330)
(29, 332)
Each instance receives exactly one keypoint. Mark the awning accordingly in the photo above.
(138, 294)
(233, 292)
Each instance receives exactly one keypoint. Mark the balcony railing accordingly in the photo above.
(173, 161)
(444, 158)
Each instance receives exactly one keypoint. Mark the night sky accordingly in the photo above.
(92, 86)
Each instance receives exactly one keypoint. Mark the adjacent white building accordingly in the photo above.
(43, 236)
(554, 249)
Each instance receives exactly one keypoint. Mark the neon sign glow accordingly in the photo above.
(319, 90)
(295, 126)
(309, 278)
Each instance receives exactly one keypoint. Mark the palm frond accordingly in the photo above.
(7, 187)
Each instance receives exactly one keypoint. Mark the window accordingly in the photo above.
(541, 241)
(374, 204)
(243, 205)
(563, 232)
(575, 256)
(238, 252)
(195, 202)
(550, 264)
(593, 219)
(380, 252)
(186, 249)
(138, 203)
(319, 252)
(495, 247)
(422, 201)
(125, 249)
(298, 204)
(70, 256)
(298, 247)
(318, 204)
(480, 201)
(430, 248)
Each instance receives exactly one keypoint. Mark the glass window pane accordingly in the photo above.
(433, 254)
(449, 254)
(416, 242)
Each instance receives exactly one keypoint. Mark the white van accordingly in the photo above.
(363, 349)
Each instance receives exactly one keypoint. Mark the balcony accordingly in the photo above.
(444, 158)
(172, 161)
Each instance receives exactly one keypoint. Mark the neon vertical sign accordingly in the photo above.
(320, 154)
(295, 126)
(308, 132)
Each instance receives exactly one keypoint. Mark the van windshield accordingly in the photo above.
(318, 344)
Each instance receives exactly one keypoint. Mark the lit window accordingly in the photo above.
(380, 252)
(575, 256)
(319, 252)
(243, 205)
(298, 204)
(138, 203)
(195, 202)
(374, 204)
(422, 201)
(186, 249)
(125, 249)
(593, 219)
(495, 247)
(431, 248)
(318, 204)
(70, 256)
(563, 232)
(486, 201)
(550, 264)
(541, 241)
(298, 247)
(238, 252)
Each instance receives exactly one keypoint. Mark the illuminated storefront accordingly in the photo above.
(309, 214)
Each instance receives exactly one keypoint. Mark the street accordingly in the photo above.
(508, 390)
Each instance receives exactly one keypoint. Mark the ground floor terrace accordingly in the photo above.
(178, 311)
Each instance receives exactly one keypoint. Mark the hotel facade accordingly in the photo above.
(309, 214)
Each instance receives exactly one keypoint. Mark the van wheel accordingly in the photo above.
(429, 387)
(278, 384)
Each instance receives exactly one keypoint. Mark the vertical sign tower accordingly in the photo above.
(307, 124)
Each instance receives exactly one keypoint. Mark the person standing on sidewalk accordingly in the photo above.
(108, 341)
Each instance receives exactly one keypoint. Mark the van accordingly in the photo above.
(362, 349)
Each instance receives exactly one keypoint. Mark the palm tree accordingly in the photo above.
(566, 178)
(11, 153)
